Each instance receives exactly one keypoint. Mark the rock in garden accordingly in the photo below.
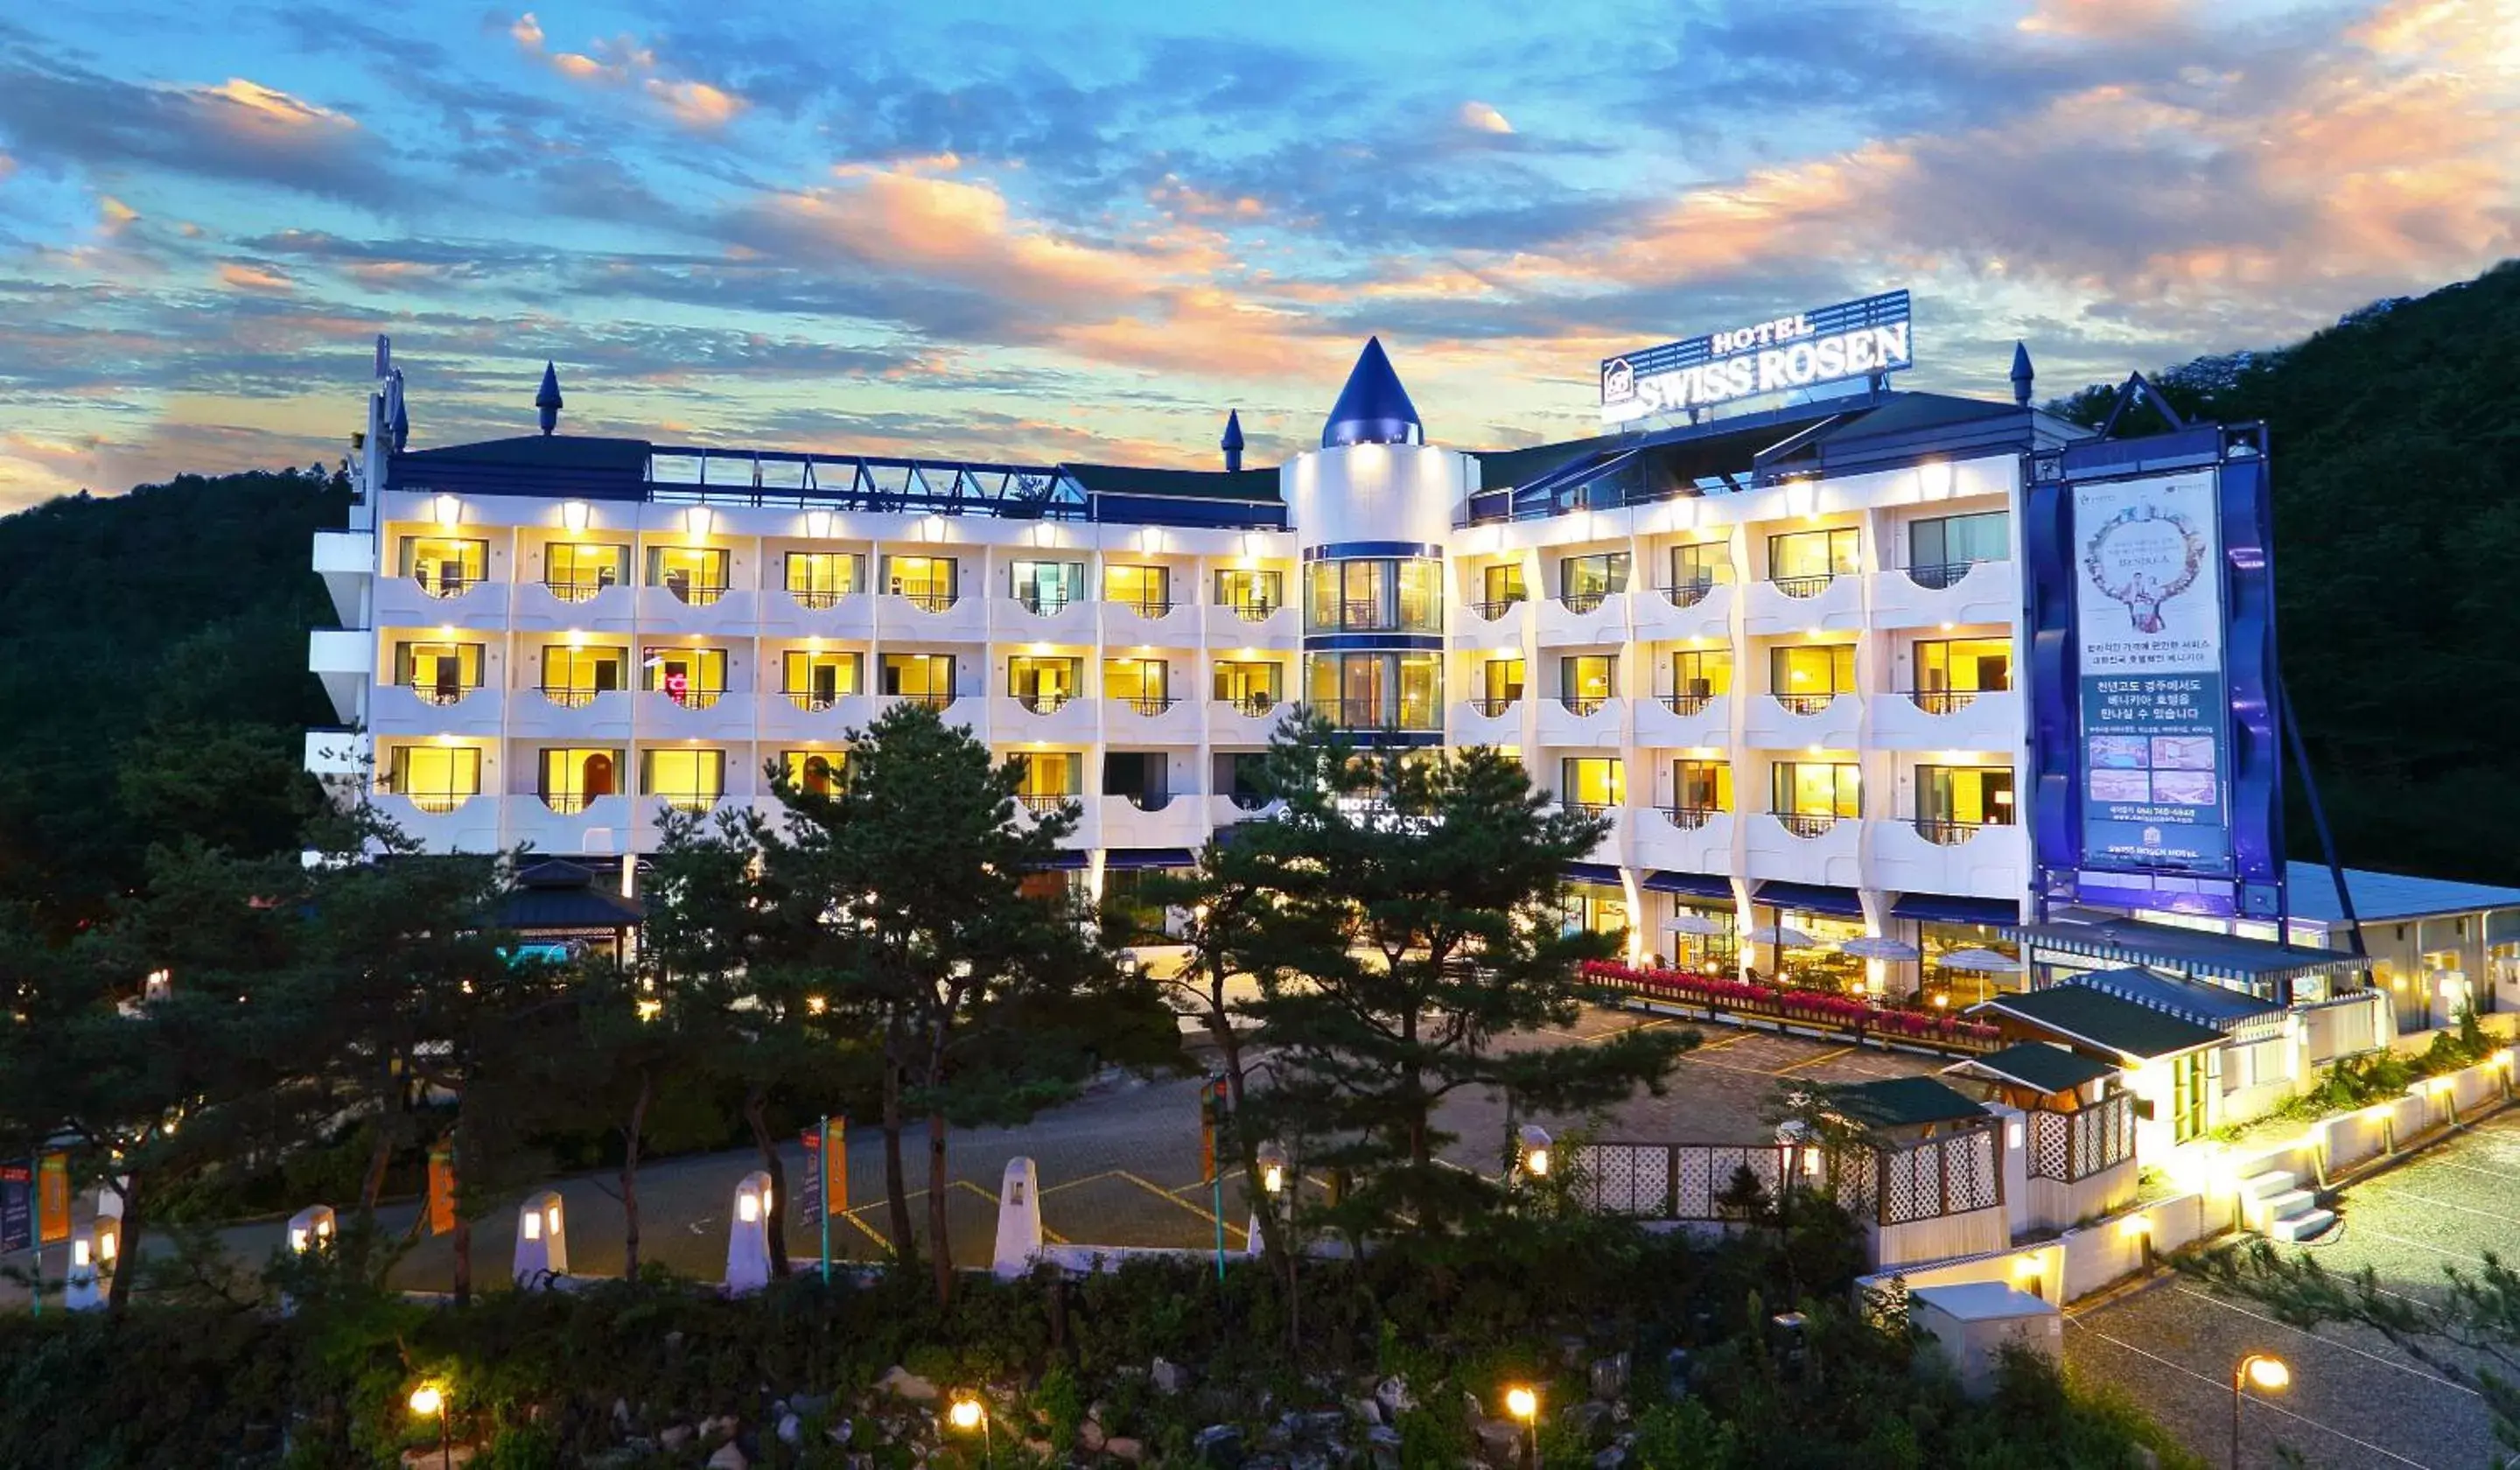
(792, 1429)
(1219, 1445)
(1613, 1458)
(728, 1457)
(1090, 1437)
(621, 1416)
(677, 1438)
(1587, 1421)
(719, 1427)
(1393, 1395)
(1382, 1443)
(1367, 1412)
(1122, 1447)
(1610, 1377)
(902, 1383)
(1168, 1377)
(808, 1404)
(1499, 1442)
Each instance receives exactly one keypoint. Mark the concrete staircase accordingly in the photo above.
(2276, 1206)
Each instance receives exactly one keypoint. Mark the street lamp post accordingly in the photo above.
(427, 1399)
(2269, 1374)
(968, 1414)
(1524, 1404)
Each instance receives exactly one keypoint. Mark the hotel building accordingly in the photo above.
(1780, 650)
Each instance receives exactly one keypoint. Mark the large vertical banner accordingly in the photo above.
(441, 1188)
(17, 1207)
(2154, 730)
(52, 1199)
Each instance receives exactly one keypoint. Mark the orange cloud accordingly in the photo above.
(696, 104)
(247, 276)
(1479, 117)
(2100, 20)
(7, 166)
(113, 214)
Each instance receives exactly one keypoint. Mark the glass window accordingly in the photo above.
(572, 676)
(1951, 672)
(820, 579)
(1955, 801)
(436, 777)
(1376, 690)
(1700, 564)
(1049, 776)
(1421, 691)
(1146, 589)
(1701, 786)
(1500, 588)
(2187, 1084)
(575, 571)
(1143, 684)
(925, 677)
(814, 680)
(1043, 684)
(1596, 908)
(688, 780)
(572, 777)
(1250, 688)
(1500, 685)
(815, 773)
(1590, 781)
(1585, 583)
(1422, 595)
(1251, 595)
(445, 565)
(1806, 677)
(1697, 675)
(1375, 595)
(928, 581)
(1588, 681)
(1816, 789)
(1940, 550)
(1802, 562)
(694, 574)
(438, 673)
(694, 678)
(1047, 587)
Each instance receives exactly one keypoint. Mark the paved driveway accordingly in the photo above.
(2355, 1400)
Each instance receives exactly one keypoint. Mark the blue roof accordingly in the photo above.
(2380, 896)
(1373, 408)
(2198, 951)
(2215, 1005)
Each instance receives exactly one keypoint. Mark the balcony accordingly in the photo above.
(346, 561)
(1153, 719)
(1032, 616)
(1375, 716)
(1792, 604)
(1795, 722)
(1043, 804)
(1581, 719)
(571, 826)
(1950, 720)
(931, 615)
(1803, 847)
(1916, 855)
(590, 607)
(809, 715)
(444, 822)
(695, 713)
(1147, 620)
(647, 807)
(1591, 618)
(1248, 721)
(1613, 846)
(1684, 839)
(1043, 716)
(1961, 592)
(1687, 609)
(1226, 811)
(691, 607)
(440, 600)
(786, 613)
(1487, 722)
(1154, 818)
(433, 710)
(560, 712)
(1684, 720)
(1252, 625)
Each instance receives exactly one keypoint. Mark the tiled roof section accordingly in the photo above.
(1905, 1102)
(2098, 1019)
(2035, 1065)
(2387, 897)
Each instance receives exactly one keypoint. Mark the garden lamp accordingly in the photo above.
(2264, 1372)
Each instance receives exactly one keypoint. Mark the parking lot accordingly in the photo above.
(2355, 1400)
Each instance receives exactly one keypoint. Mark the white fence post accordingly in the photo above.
(1018, 1219)
(747, 1240)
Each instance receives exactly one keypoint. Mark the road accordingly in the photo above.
(2356, 1403)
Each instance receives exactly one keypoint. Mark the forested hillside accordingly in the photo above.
(154, 683)
(2396, 442)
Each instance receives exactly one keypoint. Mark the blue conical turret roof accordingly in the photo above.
(2022, 376)
(548, 400)
(1373, 408)
(1233, 439)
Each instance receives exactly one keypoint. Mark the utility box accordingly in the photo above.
(1973, 1320)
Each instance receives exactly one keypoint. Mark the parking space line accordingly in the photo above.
(2403, 1368)
(2438, 1204)
(2262, 1402)
(1813, 1061)
(2372, 1229)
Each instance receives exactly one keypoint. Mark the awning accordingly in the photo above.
(1068, 862)
(1149, 857)
(1695, 884)
(561, 895)
(2035, 1065)
(1940, 909)
(1905, 1102)
(2198, 951)
(2101, 1021)
(2197, 1001)
(1812, 897)
(1591, 873)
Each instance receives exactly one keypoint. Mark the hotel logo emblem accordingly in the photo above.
(1618, 380)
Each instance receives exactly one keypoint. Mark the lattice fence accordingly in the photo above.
(2071, 1146)
(1693, 1180)
(1947, 1176)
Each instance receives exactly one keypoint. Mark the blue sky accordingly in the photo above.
(956, 229)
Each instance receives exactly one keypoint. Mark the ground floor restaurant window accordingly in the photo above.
(1800, 949)
(1703, 935)
(1601, 908)
(1965, 964)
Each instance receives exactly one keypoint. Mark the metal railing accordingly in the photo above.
(1949, 833)
(446, 584)
(578, 589)
(1148, 705)
(928, 599)
(1803, 587)
(1585, 704)
(1807, 825)
(1045, 701)
(689, 801)
(440, 694)
(438, 803)
(1371, 714)
(1251, 707)
(807, 597)
(1685, 705)
(1148, 801)
(694, 594)
(1248, 801)
(1937, 575)
(1946, 701)
(1580, 603)
(1044, 803)
(1145, 606)
(1492, 706)
(1256, 610)
(1689, 818)
(1590, 809)
(927, 701)
(815, 699)
(1491, 610)
(572, 803)
(694, 696)
(572, 695)
(1687, 594)
(1806, 704)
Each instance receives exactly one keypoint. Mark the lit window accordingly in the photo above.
(573, 676)
(445, 566)
(573, 776)
(820, 579)
(438, 673)
(693, 678)
(575, 571)
(694, 574)
(691, 780)
(436, 778)
(818, 681)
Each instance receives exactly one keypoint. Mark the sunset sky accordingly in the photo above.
(1072, 230)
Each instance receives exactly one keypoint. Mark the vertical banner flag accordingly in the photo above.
(2156, 717)
(809, 1200)
(826, 1171)
(441, 1189)
(17, 1207)
(52, 1199)
(1211, 1117)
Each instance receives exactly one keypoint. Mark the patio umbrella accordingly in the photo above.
(1791, 939)
(1980, 961)
(1694, 924)
(1878, 947)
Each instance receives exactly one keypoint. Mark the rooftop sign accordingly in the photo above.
(1829, 344)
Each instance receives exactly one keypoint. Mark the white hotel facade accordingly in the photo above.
(1780, 649)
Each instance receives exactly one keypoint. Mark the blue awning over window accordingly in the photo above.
(1812, 897)
(1065, 862)
(2198, 952)
(1938, 908)
(1149, 857)
(1593, 873)
(1695, 884)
